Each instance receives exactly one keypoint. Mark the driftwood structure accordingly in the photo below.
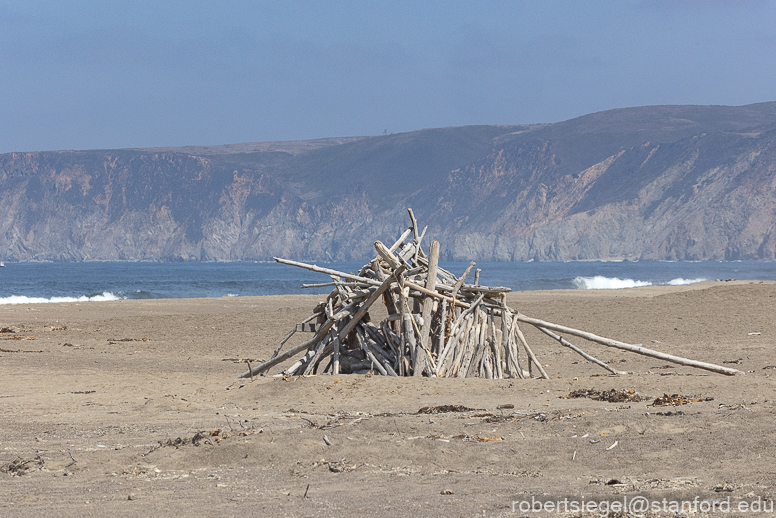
(437, 325)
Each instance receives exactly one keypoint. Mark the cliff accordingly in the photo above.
(666, 182)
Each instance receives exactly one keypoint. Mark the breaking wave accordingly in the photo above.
(607, 283)
(680, 282)
(21, 299)
(613, 283)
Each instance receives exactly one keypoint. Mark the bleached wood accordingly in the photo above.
(364, 307)
(442, 325)
(462, 279)
(369, 353)
(579, 351)
(459, 321)
(529, 352)
(428, 304)
(289, 353)
(387, 255)
(328, 271)
(401, 239)
(628, 347)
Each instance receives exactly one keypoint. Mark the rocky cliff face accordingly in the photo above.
(678, 183)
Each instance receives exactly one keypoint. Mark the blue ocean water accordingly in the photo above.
(62, 282)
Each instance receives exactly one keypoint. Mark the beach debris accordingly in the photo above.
(444, 409)
(17, 351)
(437, 324)
(21, 466)
(677, 399)
(611, 396)
(203, 437)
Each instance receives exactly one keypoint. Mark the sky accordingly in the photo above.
(100, 74)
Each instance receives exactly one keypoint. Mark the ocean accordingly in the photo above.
(26, 283)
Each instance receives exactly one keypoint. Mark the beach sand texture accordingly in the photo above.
(131, 408)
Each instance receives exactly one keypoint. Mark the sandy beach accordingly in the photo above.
(131, 408)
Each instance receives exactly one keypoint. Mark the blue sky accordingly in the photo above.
(99, 74)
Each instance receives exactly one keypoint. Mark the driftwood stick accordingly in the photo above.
(291, 352)
(401, 239)
(442, 325)
(476, 366)
(436, 294)
(506, 344)
(462, 363)
(284, 340)
(300, 363)
(335, 283)
(447, 276)
(328, 271)
(486, 363)
(407, 252)
(390, 338)
(291, 333)
(387, 255)
(579, 351)
(531, 357)
(475, 288)
(419, 250)
(414, 225)
(423, 357)
(514, 351)
(462, 279)
(448, 353)
(368, 352)
(458, 322)
(375, 348)
(319, 352)
(496, 346)
(433, 260)
(335, 360)
(409, 339)
(628, 347)
(329, 364)
(368, 303)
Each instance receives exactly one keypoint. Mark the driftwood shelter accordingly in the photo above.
(437, 325)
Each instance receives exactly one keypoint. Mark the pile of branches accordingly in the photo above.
(437, 325)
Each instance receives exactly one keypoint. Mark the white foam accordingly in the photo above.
(21, 299)
(607, 283)
(232, 295)
(681, 282)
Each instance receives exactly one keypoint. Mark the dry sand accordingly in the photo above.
(92, 407)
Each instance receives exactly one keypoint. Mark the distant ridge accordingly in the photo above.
(655, 182)
(293, 147)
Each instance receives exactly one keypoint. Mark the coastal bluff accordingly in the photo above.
(647, 183)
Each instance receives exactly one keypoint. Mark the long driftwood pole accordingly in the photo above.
(579, 351)
(328, 271)
(628, 347)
